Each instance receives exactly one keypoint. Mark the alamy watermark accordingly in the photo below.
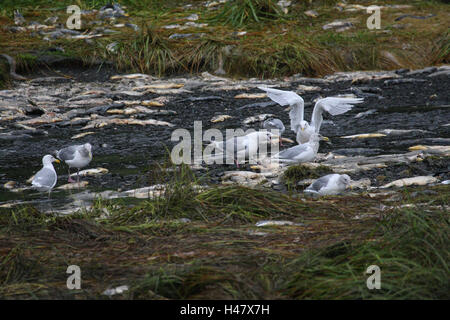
(74, 280)
(74, 21)
(374, 21)
(374, 281)
(235, 148)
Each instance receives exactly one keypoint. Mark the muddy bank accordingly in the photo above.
(129, 121)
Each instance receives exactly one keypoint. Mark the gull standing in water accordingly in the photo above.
(77, 156)
(330, 184)
(45, 179)
(304, 130)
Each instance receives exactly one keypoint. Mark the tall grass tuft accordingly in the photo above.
(148, 52)
(242, 12)
(205, 55)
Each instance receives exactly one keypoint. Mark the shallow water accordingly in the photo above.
(129, 151)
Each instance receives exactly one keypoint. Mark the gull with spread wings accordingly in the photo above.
(304, 130)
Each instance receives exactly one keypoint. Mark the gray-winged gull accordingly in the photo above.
(244, 147)
(303, 130)
(330, 184)
(300, 153)
(77, 156)
(45, 179)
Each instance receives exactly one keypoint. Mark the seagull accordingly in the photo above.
(45, 179)
(76, 156)
(277, 124)
(304, 130)
(244, 147)
(330, 184)
(300, 153)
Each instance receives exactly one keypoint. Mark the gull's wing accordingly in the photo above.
(319, 183)
(281, 97)
(334, 106)
(44, 178)
(293, 152)
(67, 153)
(83, 151)
(290, 98)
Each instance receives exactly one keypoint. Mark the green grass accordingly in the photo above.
(413, 255)
(276, 44)
(147, 52)
(144, 246)
(238, 13)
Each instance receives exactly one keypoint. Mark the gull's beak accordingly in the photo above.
(325, 139)
(303, 129)
(57, 161)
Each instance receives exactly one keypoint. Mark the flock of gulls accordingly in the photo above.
(76, 156)
(307, 136)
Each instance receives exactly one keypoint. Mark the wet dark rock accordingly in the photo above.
(357, 151)
(371, 89)
(7, 136)
(48, 80)
(79, 122)
(401, 71)
(360, 94)
(421, 71)
(278, 187)
(203, 98)
(415, 194)
(33, 110)
(401, 81)
(186, 36)
(258, 105)
(444, 73)
(414, 17)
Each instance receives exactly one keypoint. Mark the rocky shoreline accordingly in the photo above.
(401, 130)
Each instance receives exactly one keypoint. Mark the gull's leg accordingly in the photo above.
(49, 193)
(70, 180)
(78, 176)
